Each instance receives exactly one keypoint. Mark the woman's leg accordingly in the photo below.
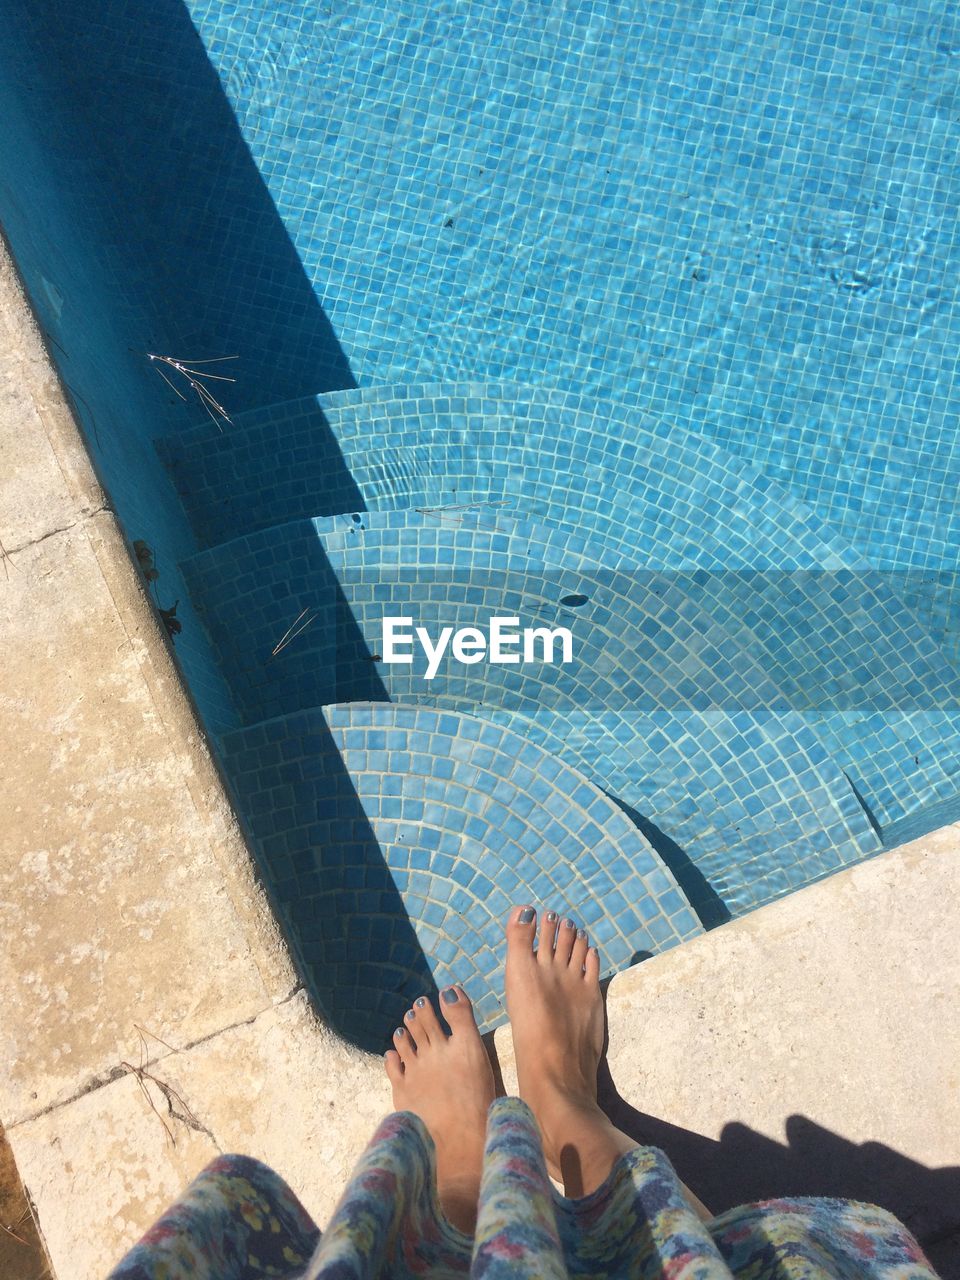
(556, 1015)
(448, 1083)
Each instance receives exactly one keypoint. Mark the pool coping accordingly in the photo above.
(154, 1016)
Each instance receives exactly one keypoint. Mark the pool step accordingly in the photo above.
(794, 602)
(395, 839)
(658, 706)
(393, 447)
(851, 658)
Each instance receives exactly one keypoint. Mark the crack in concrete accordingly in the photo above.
(243, 1022)
(52, 533)
(113, 1074)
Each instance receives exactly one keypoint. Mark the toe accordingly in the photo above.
(425, 1026)
(548, 938)
(521, 931)
(405, 1046)
(591, 966)
(579, 953)
(394, 1066)
(566, 937)
(413, 1031)
(457, 1009)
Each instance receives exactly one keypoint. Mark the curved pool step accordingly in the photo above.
(890, 716)
(657, 707)
(844, 647)
(738, 861)
(393, 447)
(396, 838)
(848, 656)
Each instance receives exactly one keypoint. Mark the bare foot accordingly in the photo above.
(556, 1015)
(448, 1083)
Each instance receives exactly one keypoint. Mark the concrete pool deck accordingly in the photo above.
(151, 1014)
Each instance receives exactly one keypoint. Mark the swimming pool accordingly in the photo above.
(632, 320)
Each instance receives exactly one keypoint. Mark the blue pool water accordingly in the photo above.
(650, 307)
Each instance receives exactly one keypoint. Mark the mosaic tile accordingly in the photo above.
(725, 772)
(439, 445)
(660, 500)
(376, 920)
(739, 220)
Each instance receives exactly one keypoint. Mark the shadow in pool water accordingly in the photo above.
(334, 892)
(871, 816)
(248, 609)
(336, 897)
(702, 897)
(215, 257)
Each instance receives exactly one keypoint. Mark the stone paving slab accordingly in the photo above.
(279, 1088)
(113, 910)
(744, 1053)
(46, 480)
(114, 816)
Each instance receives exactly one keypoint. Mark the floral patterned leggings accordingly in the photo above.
(239, 1221)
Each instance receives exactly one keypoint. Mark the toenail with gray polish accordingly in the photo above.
(526, 915)
(450, 996)
(399, 1031)
(551, 916)
(581, 933)
(409, 1014)
(569, 924)
(421, 1002)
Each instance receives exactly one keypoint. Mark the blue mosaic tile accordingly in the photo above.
(370, 932)
(741, 221)
(711, 782)
(500, 457)
(700, 504)
(889, 721)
